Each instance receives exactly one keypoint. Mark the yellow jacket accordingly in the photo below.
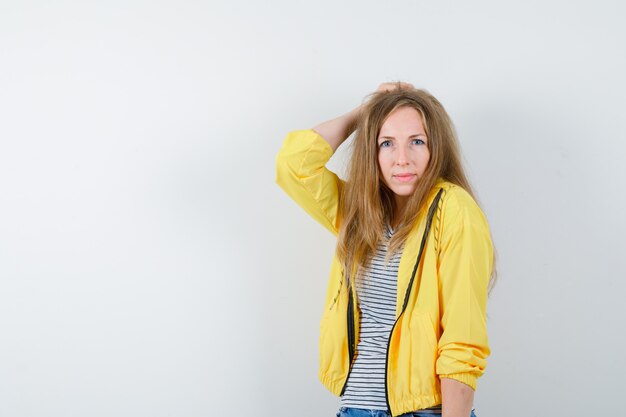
(440, 328)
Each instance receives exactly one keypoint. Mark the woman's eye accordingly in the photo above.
(418, 142)
(384, 144)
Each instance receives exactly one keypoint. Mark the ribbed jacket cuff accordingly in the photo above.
(464, 377)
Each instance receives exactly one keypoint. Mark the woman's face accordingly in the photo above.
(403, 153)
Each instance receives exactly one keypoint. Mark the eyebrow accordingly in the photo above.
(412, 136)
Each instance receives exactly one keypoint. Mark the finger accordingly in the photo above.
(390, 86)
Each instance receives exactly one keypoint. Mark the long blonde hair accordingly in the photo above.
(366, 203)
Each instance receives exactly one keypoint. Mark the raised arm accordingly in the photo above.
(337, 130)
(301, 166)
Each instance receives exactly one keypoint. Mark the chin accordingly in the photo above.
(404, 192)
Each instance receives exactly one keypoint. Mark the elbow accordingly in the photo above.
(283, 172)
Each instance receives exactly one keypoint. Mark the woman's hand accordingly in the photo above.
(394, 86)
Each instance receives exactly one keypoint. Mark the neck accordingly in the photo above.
(398, 211)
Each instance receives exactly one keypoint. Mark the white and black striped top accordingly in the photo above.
(376, 291)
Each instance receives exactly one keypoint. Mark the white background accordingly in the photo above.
(149, 265)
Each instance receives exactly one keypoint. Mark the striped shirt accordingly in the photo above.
(376, 290)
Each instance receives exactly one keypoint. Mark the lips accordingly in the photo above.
(404, 177)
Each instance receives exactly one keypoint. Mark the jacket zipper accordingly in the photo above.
(387, 363)
(431, 212)
(351, 347)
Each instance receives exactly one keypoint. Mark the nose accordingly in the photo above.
(402, 156)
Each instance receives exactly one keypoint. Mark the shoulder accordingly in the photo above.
(457, 204)
(455, 197)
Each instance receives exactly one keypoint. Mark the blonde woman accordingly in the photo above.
(403, 331)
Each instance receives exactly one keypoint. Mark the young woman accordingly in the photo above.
(403, 331)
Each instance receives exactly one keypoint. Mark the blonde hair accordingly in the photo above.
(366, 203)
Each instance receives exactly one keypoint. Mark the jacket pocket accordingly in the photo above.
(423, 352)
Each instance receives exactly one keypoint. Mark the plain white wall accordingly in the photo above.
(149, 266)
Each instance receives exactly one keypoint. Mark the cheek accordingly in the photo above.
(383, 165)
(424, 160)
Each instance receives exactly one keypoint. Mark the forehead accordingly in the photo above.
(402, 121)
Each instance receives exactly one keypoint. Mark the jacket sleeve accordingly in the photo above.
(302, 174)
(465, 264)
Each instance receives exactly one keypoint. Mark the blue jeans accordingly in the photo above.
(360, 412)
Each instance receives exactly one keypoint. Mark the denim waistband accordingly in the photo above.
(362, 412)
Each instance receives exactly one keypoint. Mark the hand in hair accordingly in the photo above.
(393, 86)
